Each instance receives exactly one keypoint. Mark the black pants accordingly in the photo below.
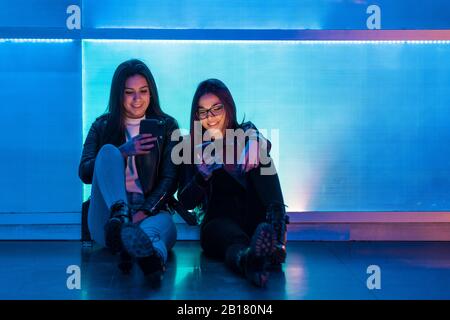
(224, 233)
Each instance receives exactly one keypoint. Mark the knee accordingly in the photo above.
(108, 152)
(109, 148)
(165, 218)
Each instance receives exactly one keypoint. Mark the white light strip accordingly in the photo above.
(21, 40)
(284, 42)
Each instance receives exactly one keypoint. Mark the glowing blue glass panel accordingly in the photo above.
(362, 126)
(40, 135)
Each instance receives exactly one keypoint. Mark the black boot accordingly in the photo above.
(277, 217)
(138, 245)
(252, 261)
(125, 262)
(153, 268)
(120, 214)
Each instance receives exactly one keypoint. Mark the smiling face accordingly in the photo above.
(210, 102)
(136, 97)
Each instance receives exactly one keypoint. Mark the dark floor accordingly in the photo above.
(314, 270)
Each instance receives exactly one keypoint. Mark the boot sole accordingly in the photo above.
(263, 242)
(136, 242)
(262, 248)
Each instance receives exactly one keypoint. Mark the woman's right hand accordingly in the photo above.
(138, 145)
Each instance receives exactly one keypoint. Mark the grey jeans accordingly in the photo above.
(108, 187)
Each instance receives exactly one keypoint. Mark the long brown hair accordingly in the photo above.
(115, 129)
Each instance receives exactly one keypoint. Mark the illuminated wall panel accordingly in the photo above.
(362, 125)
(40, 135)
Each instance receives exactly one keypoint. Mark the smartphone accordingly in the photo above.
(210, 155)
(199, 148)
(153, 126)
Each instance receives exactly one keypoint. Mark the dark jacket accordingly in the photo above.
(158, 181)
(193, 190)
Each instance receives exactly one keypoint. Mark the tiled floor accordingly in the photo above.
(314, 270)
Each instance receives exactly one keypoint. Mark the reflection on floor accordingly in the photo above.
(314, 270)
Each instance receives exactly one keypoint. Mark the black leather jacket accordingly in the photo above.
(193, 190)
(159, 182)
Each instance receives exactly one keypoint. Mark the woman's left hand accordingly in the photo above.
(139, 216)
(250, 156)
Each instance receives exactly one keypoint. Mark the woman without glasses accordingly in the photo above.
(132, 174)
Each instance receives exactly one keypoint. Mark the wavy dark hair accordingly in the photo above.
(220, 90)
(115, 128)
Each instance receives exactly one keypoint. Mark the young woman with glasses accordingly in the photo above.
(245, 218)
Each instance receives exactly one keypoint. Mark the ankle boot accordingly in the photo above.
(119, 215)
(277, 217)
(252, 261)
(139, 245)
(153, 268)
(252, 267)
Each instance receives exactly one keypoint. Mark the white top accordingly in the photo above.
(132, 182)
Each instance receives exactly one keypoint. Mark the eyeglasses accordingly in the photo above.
(215, 110)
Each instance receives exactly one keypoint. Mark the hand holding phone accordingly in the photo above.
(206, 165)
(138, 145)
